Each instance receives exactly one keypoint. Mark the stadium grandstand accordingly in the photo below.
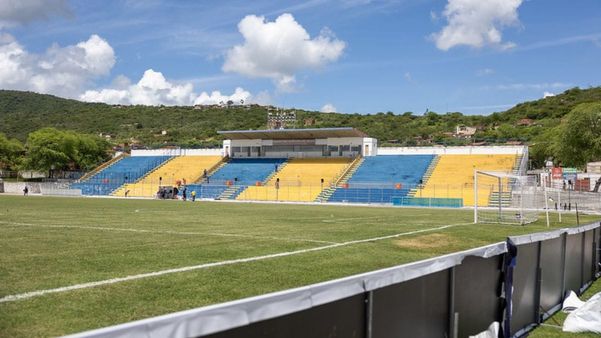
(337, 165)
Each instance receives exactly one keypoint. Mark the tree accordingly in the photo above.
(49, 149)
(580, 140)
(90, 151)
(10, 152)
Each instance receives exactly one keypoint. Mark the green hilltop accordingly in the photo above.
(156, 126)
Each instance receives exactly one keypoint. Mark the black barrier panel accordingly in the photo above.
(477, 287)
(587, 266)
(551, 264)
(573, 276)
(524, 287)
(416, 308)
(596, 256)
(340, 319)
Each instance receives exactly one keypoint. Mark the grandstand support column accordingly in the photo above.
(475, 196)
(369, 314)
(522, 205)
(546, 205)
(500, 194)
(559, 205)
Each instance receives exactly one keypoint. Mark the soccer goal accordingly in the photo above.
(501, 197)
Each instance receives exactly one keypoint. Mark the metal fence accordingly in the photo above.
(517, 283)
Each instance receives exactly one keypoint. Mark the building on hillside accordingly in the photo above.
(462, 131)
(525, 122)
(593, 167)
(281, 119)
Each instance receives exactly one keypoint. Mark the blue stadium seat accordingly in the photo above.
(127, 170)
(376, 179)
(247, 171)
(241, 171)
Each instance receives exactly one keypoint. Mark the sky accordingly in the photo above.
(349, 56)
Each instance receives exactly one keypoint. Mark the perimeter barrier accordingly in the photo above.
(517, 283)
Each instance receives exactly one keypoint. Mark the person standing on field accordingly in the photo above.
(193, 194)
(25, 191)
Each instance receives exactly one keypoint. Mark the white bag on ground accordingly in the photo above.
(571, 303)
(491, 332)
(586, 318)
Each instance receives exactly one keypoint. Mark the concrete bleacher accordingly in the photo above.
(453, 177)
(299, 180)
(380, 178)
(180, 168)
(237, 172)
(127, 170)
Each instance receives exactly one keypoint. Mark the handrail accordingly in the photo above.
(347, 169)
(102, 167)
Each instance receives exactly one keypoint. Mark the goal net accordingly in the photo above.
(501, 197)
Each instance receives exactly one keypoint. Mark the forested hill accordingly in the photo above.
(24, 112)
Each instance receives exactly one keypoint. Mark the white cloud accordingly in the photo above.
(485, 72)
(328, 108)
(548, 94)
(477, 23)
(532, 86)
(279, 49)
(60, 70)
(238, 97)
(154, 89)
(19, 12)
(262, 98)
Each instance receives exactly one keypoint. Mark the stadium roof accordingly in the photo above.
(293, 134)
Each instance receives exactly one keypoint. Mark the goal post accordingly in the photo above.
(506, 198)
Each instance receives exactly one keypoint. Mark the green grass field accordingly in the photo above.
(48, 243)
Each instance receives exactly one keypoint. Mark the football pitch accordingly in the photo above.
(73, 264)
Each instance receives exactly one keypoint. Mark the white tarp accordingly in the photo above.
(586, 318)
(491, 332)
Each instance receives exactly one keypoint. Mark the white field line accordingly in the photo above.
(32, 294)
(217, 234)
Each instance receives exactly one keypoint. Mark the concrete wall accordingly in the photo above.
(467, 150)
(177, 152)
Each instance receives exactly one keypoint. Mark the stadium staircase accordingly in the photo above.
(299, 180)
(426, 176)
(122, 189)
(344, 177)
(453, 177)
(127, 170)
(280, 167)
(380, 178)
(177, 170)
(102, 167)
(506, 196)
(212, 170)
(231, 177)
(233, 191)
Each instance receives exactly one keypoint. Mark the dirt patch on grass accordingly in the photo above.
(425, 241)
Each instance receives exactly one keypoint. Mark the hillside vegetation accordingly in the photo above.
(536, 122)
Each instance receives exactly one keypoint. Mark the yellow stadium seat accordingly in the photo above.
(187, 169)
(299, 180)
(453, 177)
